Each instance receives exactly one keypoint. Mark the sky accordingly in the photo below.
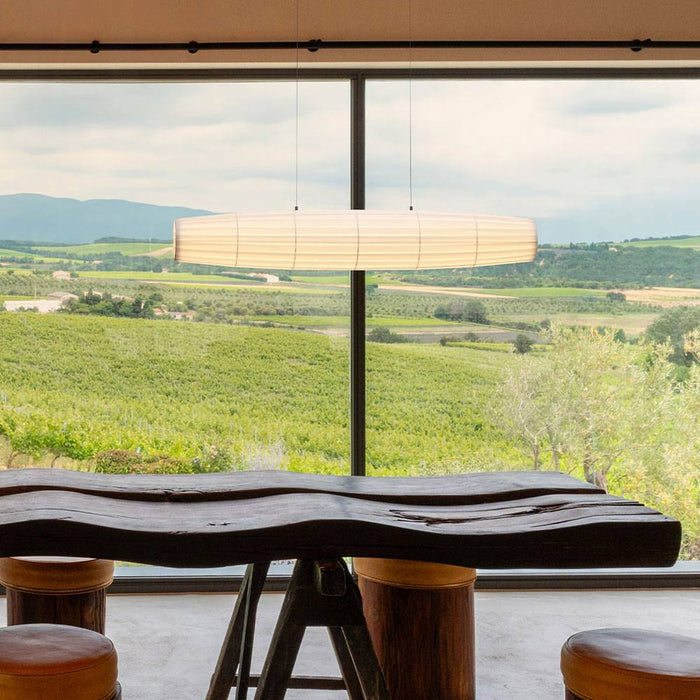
(588, 160)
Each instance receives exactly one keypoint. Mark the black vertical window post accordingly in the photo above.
(357, 283)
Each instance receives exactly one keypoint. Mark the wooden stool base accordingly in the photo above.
(421, 620)
(85, 610)
(57, 590)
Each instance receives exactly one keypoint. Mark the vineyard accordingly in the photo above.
(137, 395)
(186, 389)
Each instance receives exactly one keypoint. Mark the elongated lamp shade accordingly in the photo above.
(354, 240)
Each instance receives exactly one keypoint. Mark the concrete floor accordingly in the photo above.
(168, 644)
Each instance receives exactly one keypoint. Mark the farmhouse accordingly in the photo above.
(43, 306)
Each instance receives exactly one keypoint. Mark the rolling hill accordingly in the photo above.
(36, 217)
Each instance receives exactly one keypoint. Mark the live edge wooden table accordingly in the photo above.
(484, 520)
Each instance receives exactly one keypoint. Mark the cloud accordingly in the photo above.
(561, 151)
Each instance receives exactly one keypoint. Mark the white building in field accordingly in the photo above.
(60, 275)
(43, 306)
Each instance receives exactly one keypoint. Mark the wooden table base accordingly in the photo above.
(321, 593)
(421, 620)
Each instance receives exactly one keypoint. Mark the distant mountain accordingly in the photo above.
(36, 217)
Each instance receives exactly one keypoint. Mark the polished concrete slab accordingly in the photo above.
(168, 644)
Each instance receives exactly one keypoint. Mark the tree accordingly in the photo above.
(615, 296)
(473, 311)
(382, 334)
(522, 344)
(590, 399)
(672, 326)
(523, 410)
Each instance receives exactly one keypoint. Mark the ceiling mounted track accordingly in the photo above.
(314, 45)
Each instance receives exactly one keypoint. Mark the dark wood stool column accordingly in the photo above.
(61, 590)
(421, 620)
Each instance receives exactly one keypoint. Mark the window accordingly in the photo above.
(117, 359)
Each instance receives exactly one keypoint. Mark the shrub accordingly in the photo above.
(382, 334)
(522, 344)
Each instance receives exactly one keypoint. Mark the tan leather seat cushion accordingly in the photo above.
(56, 662)
(631, 664)
(402, 573)
(56, 575)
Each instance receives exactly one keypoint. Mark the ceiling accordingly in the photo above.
(41, 21)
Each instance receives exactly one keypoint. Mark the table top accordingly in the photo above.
(520, 519)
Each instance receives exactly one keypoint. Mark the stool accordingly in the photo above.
(57, 662)
(421, 620)
(631, 664)
(61, 590)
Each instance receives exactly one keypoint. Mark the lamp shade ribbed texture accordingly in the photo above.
(354, 240)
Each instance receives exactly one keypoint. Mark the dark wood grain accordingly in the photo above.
(500, 520)
(459, 489)
(424, 639)
(85, 610)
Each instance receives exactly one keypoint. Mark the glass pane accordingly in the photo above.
(584, 361)
(119, 360)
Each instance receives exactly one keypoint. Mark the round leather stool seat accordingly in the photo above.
(56, 575)
(631, 664)
(56, 662)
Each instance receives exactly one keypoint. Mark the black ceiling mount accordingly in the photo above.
(314, 45)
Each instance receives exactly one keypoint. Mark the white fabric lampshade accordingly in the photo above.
(354, 240)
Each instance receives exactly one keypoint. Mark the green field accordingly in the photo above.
(539, 292)
(28, 257)
(9, 253)
(692, 242)
(344, 321)
(94, 250)
(161, 277)
(631, 324)
(336, 279)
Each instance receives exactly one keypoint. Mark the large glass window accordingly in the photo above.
(116, 359)
(584, 361)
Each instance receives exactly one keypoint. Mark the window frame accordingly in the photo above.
(684, 574)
